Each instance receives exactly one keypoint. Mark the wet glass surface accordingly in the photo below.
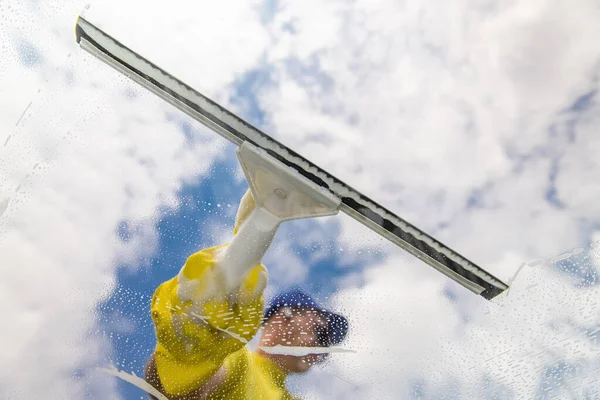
(475, 121)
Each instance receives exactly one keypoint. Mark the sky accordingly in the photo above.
(476, 120)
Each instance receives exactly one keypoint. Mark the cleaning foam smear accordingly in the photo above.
(300, 351)
(134, 380)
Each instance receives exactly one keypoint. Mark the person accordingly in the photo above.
(203, 328)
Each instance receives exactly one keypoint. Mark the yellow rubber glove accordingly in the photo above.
(199, 322)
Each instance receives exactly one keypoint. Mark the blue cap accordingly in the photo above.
(296, 298)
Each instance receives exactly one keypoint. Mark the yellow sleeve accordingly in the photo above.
(252, 377)
(195, 336)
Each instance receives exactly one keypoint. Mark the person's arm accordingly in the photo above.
(203, 392)
(199, 322)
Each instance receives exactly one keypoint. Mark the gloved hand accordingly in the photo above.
(200, 321)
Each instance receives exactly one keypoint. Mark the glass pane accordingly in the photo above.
(476, 122)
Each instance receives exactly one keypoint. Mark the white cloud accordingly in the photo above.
(455, 115)
(285, 267)
(418, 104)
(405, 332)
(93, 150)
